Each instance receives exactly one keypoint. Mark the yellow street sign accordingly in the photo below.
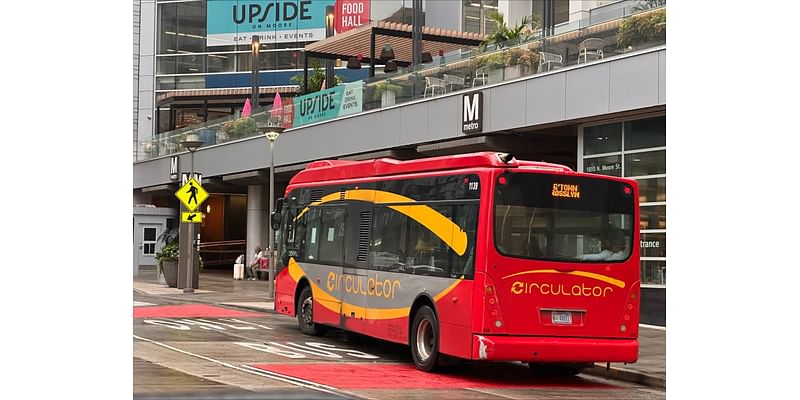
(194, 217)
(191, 194)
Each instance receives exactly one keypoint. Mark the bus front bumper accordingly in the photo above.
(553, 349)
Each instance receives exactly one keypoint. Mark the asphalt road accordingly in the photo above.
(198, 351)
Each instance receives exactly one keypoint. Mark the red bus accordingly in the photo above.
(475, 256)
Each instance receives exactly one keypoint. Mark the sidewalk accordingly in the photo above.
(218, 287)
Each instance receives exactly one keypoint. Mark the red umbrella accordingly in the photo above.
(246, 110)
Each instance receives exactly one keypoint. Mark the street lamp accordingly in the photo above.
(191, 143)
(254, 73)
(271, 130)
(330, 80)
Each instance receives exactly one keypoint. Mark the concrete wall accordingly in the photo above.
(629, 83)
(145, 82)
(443, 14)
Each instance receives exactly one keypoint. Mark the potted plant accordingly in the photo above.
(642, 29)
(240, 128)
(315, 78)
(519, 62)
(387, 92)
(167, 260)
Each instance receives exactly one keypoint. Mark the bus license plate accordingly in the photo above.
(562, 318)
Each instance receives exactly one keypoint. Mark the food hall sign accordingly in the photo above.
(232, 22)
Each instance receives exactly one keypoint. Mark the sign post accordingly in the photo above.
(191, 195)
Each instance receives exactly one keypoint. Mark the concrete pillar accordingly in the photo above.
(256, 219)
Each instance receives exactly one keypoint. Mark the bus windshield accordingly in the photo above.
(563, 218)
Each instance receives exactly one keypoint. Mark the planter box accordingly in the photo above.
(170, 269)
(495, 75)
(387, 98)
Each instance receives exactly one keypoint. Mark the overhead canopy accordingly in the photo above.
(360, 41)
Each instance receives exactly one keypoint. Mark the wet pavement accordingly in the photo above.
(217, 288)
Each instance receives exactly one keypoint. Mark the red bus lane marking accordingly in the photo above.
(392, 376)
(190, 311)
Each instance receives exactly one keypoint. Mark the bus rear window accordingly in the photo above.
(562, 218)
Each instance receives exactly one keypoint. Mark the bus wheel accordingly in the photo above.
(425, 339)
(553, 369)
(305, 312)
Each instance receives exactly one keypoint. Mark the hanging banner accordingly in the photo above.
(232, 22)
(339, 101)
(351, 14)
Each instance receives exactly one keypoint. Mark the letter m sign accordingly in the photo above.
(472, 115)
(173, 168)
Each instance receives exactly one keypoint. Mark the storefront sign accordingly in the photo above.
(344, 99)
(232, 22)
(472, 116)
(351, 14)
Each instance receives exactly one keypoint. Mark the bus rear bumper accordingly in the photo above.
(553, 349)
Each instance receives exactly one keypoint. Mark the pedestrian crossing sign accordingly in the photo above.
(191, 194)
(194, 217)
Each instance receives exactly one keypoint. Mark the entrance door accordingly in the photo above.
(146, 236)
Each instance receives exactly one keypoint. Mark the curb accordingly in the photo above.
(626, 375)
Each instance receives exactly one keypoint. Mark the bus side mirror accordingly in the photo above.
(276, 220)
(279, 205)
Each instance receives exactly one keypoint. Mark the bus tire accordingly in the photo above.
(305, 312)
(425, 339)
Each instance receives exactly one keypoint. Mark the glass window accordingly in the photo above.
(149, 242)
(647, 163)
(654, 189)
(578, 220)
(427, 253)
(388, 240)
(602, 139)
(608, 165)
(472, 16)
(221, 62)
(312, 235)
(654, 272)
(652, 217)
(643, 133)
(168, 28)
(653, 244)
(192, 26)
(331, 236)
(466, 217)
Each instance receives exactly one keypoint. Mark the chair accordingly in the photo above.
(482, 75)
(549, 61)
(452, 81)
(433, 84)
(590, 49)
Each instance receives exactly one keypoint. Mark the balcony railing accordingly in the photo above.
(467, 69)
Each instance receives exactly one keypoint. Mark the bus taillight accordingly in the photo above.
(493, 319)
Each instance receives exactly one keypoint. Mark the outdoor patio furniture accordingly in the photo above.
(549, 61)
(481, 75)
(590, 49)
(453, 82)
(433, 85)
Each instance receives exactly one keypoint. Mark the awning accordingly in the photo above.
(359, 41)
(224, 92)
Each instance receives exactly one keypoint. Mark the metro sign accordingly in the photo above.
(472, 116)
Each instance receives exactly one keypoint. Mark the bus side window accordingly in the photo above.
(388, 240)
(431, 254)
(311, 242)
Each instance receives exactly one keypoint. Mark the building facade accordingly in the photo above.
(606, 117)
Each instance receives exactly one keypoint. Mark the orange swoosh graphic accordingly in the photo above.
(592, 275)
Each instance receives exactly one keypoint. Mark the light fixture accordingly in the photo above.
(387, 53)
(208, 208)
(391, 66)
(426, 57)
(192, 142)
(353, 63)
